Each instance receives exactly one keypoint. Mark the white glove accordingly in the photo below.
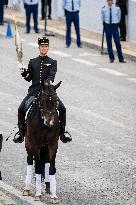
(51, 82)
(21, 67)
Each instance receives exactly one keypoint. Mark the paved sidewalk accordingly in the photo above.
(90, 39)
(6, 200)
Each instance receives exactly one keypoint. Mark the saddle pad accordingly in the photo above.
(29, 102)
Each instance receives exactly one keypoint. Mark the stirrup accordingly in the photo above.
(19, 139)
(66, 132)
(65, 139)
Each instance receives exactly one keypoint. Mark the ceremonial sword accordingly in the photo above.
(18, 45)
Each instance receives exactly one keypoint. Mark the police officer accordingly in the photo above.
(111, 17)
(1, 12)
(71, 9)
(46, 68)
(49, 9)
(31, 7)
(43, 9)
(123, 7)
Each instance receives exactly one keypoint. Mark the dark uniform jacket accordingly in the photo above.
(40, 68)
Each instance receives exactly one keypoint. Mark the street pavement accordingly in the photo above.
(99, 166)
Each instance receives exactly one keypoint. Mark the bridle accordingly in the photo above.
(45, 111)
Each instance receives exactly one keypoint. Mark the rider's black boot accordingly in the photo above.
(47, 189)
(21, 126)
(20, 139)
(64, 135)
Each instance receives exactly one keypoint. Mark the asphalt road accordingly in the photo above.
(98, 167)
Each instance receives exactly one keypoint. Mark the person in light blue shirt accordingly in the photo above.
(111, 16)
(116, 14)
(67, 5)
(31, 7)
(71, 9)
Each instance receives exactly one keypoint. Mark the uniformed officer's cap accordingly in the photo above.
(43, 41)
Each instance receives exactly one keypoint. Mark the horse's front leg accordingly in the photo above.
(47, 177)
(38, 194)
(52, 171)
(28, 180)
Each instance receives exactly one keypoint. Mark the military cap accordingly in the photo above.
(43, 41)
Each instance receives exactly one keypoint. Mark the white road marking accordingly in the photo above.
(97, 116)
(18, 194)
(33, 44)
(59, 53)
(84, 61)
(89, 54)
(2, 33)
(110, 71)
(113, 72)
(23, 40)
(132, 79)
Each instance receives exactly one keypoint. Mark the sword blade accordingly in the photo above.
(18, 44)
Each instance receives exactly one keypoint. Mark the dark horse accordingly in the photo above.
(42, 130)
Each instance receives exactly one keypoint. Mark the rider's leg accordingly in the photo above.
(21, 121)
(62, 116)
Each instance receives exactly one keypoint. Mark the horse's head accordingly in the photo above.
(49, 102)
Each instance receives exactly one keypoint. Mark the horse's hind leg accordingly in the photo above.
(29, 175)
(38, 180)
(52, 171)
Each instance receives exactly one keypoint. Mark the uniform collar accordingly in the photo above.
(111, 5)
(42, 57)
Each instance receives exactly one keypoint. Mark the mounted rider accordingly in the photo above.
(39, 69)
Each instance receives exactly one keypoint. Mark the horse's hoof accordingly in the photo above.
(38, 198)
(26, 193)
(47, 189)
(54, 199)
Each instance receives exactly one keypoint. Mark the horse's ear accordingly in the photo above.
(56, 86)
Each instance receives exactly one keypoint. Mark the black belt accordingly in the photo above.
(110, 24)
(66, 11)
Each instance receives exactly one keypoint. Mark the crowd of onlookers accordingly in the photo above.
(11, 3)
(113, 17)
(31, 6)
